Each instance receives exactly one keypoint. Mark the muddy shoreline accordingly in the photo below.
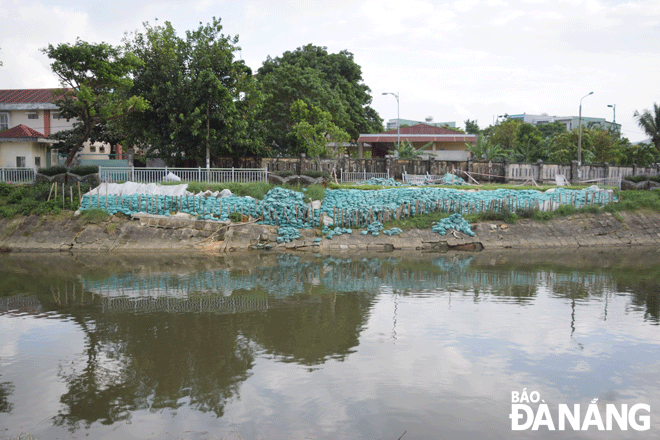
(146, 233)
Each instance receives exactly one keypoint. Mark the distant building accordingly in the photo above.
(24, 147)
(570, 122)
(35, 112)
(437, 142)
(391, 124)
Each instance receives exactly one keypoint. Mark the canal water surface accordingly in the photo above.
(462, 346)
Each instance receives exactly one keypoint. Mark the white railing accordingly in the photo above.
(604, 183)
(166, 174)
(17, 175)
(359, 176)
(420, 179)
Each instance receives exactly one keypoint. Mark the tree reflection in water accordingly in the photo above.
(192, 337)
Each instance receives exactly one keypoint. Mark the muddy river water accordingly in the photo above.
(283, 346)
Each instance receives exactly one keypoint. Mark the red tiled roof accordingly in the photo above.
(26, 96)
(376, 138)
(21, 131)
(423, 129)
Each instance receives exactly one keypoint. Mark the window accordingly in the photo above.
(37, 161)
(4, 121)
(20, 161)
(101, 149)
(56, 116)
(33, 115)
(92, 149)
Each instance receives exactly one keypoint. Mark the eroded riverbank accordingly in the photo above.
(145, 233)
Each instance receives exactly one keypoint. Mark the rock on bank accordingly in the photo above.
(170, 234)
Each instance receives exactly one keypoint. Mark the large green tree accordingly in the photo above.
(97, 83)
(504, 134)
(330, 82)
(315, 130)
(472, 127)
(528, 144)
(202, 98)
(649, 121)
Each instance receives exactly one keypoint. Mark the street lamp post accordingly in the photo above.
(398, 131)
(613, 107)
(580, 133)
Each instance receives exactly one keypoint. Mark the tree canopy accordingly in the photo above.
(96, 85)
(650, 123)
(472, 127)
(330, 82)
(201, 97)
(314, 129)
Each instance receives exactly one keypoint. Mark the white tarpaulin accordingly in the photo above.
(129, 188)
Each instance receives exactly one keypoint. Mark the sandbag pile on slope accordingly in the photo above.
(454, 221)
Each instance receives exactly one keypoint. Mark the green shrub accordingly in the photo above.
(40, 191)
(316, 174)
(84, 170)
(94, 216)
(5, 189)
(27, 205)
(255, 190)
(284, 173)
(642, 178)
(7, 211)
(315, 192)
(235, 216)
(52, 171)
(591, 209)
(511, 217)
(565, 210)
(17, 194)
(543, 216)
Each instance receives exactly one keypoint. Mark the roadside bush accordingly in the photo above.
(284, 173)
(316, 174)
(52, 171)
(638, 179)
(235, 216)
(84, 170)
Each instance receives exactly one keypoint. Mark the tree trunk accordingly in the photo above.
(76, 148)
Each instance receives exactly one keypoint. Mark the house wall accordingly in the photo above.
(30, 150)
(17, 117)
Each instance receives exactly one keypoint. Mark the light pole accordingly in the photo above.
(398, 131)
(613, 107)
(580, 133)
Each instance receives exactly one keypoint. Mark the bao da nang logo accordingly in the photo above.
(529, 411)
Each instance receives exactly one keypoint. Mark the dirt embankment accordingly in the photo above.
(171, 234)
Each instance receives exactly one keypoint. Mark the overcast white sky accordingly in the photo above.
(451, 60)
